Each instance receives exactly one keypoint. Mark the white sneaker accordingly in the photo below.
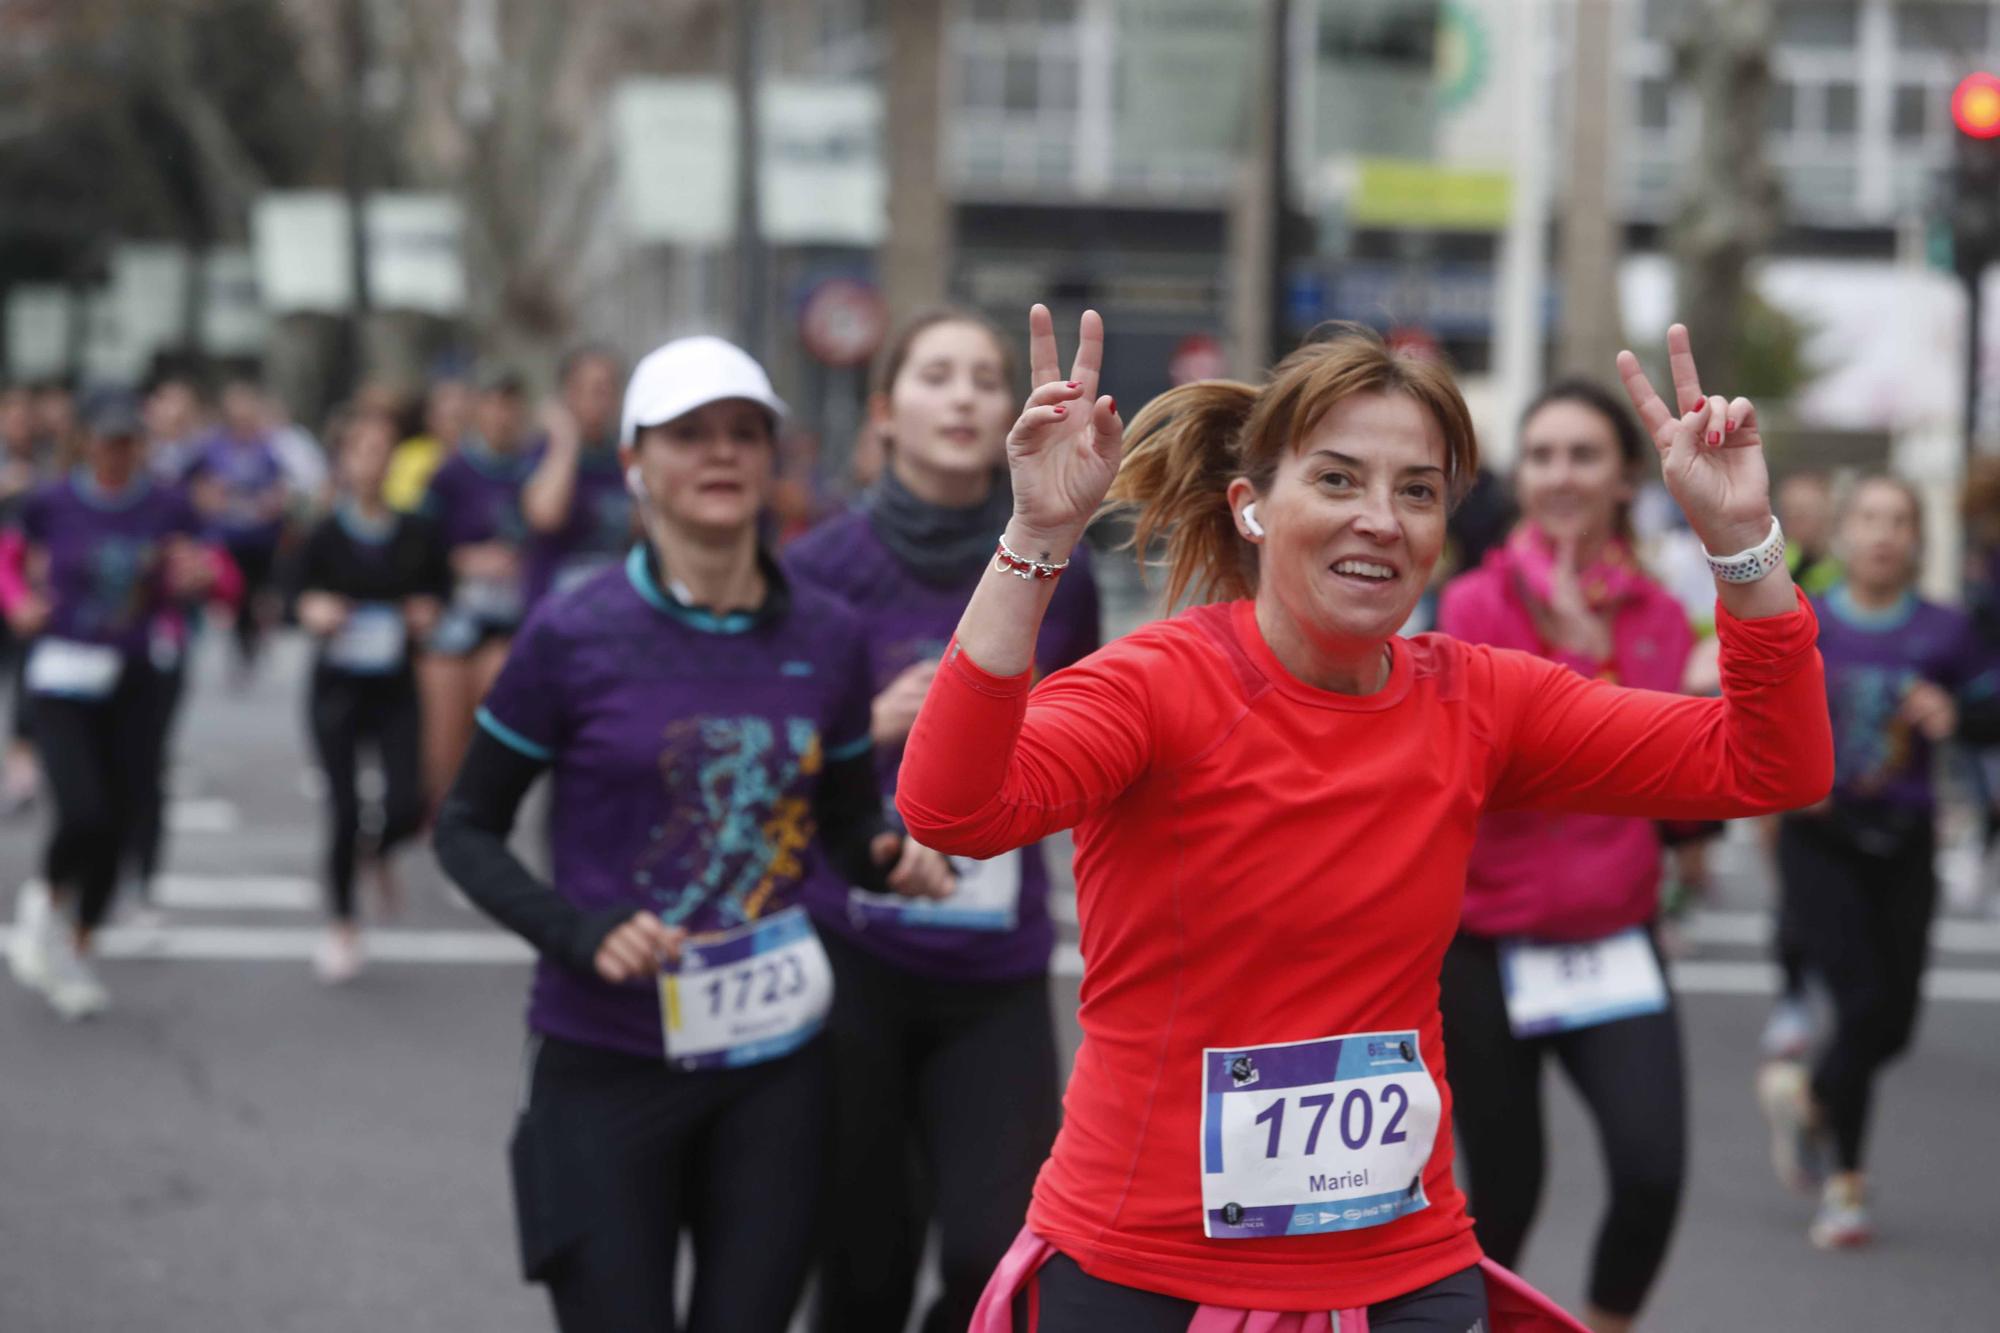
(28, 948)
(1798, 1145)
(1788, 1033)
(337, 961)
(72, 988)
(1842, 1221)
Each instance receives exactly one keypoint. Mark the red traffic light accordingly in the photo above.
(1975, 106)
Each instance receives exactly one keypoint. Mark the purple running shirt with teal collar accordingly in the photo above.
(1872, 659)
(599, 531)
(685, 750)
(909, 620)
(106, 555)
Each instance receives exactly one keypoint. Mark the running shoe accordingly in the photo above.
(34, 923)
(72, 988)
(1798, 1146)
(1788, 1032)
(337, 961)
(1842, 1221)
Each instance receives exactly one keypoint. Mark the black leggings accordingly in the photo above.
(258, 565)
(1069, 1300)
(1630, 1075)
(945, 1105)
(1863, 923)
(615, 1154)
(145, 839)
(346, 712)
(100, 758)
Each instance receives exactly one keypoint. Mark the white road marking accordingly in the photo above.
(276, 943)
(230, 892)
(204, 815)
(1951, 934)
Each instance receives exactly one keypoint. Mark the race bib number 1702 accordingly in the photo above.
(1311, 1136)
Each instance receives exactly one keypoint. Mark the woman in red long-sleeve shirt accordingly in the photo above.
(1274, 798)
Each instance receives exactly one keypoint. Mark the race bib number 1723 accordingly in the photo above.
(746, 995)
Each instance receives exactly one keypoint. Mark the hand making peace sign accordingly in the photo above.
(1711, 455)
(1063, 451)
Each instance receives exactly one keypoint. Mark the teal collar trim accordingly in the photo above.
(641, 570)
(1841, 603)
(369, 532)
(98, 498)
(486, 459)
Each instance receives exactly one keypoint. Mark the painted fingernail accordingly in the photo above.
(1114, 404)
(1076, 384)
(1728, 426)
(1060, 409)
(1715, 437)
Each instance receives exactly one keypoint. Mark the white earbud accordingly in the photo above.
(635, 483)
(1250, 520)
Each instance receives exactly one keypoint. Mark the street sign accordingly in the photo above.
(843, 322)
(1196, 357)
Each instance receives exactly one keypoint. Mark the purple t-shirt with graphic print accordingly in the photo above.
(907, 621)
(600, 529)
(106, 573)
(685, 751)
(1872, 659)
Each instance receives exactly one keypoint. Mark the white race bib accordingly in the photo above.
(574, 573)
(1561, 987)
(988, 897)
(370, 641)
(489, 601)
(1309, 1136)
(73, 670)
(746, 995)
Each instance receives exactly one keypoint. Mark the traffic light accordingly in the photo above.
(1975, 175)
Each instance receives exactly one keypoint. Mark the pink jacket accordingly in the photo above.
(1565, 877)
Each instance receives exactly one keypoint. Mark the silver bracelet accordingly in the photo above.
(1753, 564)
(1007, 561)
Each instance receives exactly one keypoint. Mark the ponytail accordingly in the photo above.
(1180, 456)
(1187, 445)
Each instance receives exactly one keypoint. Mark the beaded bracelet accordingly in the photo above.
(1753, 564)
(1007, 562)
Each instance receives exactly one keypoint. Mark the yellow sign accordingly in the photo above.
(1397, 192)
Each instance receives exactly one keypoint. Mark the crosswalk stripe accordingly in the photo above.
(229, 892)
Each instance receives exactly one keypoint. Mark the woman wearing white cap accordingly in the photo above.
(707, 726)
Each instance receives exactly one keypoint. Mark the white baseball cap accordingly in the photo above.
(677, 377)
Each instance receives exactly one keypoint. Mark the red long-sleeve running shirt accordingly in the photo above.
(1259, 861)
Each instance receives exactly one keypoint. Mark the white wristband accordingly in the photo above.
(1753, 564)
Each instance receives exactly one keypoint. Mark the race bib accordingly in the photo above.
(1562, 987)
(73, 670)
(988, 897)
(1310, 1136)
(575, 573)
(370, 641)
(746, 995)
(489, 601)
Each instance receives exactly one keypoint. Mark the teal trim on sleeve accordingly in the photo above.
(852, 750)
(511, 738)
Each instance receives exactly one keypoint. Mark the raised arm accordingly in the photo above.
(551, 489)
(1767, 743)
(975, 781)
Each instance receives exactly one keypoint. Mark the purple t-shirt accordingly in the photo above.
(1872, 658)
(686, 748)
(474, 498)
(247, 468)
(105, 553)
(599, 532)
(907, 621)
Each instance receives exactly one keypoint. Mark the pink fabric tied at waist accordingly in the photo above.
(1512, 1305)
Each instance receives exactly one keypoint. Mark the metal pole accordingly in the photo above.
(1970, 274)
(354, 167)
(1517, 331)
(752, 269)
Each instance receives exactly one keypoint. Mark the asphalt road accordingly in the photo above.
(234, 1147)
